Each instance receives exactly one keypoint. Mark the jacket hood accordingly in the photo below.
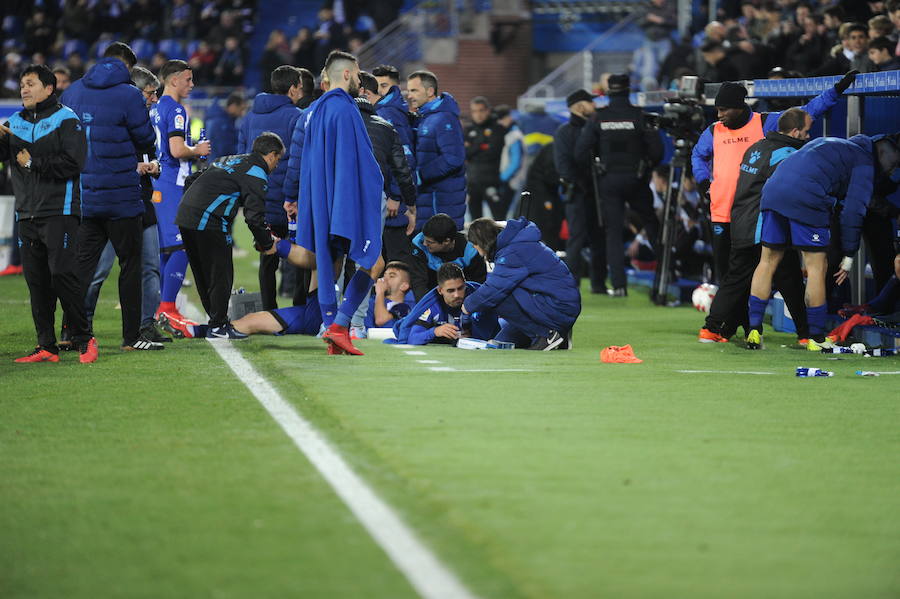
(107, 73)
(518, 231)
(265, 103)
(393, 98)
(443, 103)
(365, 106)
(863, 141)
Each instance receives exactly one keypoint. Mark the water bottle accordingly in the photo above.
(809, 371)
(292, 229)
(202, 139)
(867, 373)
(837, 349)
(880, 352)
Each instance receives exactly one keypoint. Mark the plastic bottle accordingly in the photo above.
(809, 371)
(866, 373)
(292, 229)
(202, 139)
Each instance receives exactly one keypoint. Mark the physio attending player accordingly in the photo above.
(170, 120)
(340, 203)
(530, 287)
(796, 209)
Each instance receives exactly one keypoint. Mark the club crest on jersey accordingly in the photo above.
(754, 156)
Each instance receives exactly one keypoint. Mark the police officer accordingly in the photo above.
(578, 192)
(625, 152)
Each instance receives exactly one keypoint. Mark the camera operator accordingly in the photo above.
(625, 151)
(717, 156)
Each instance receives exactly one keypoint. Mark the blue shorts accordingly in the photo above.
(299, 320)
(166, 199)
(779, 232)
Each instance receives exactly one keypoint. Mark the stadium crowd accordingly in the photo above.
(383, 213)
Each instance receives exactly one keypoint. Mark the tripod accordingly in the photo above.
(664, 270)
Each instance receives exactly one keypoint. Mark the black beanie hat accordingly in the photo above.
(731, 95)
(580, 95)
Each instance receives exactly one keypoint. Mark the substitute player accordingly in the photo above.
(170, 121)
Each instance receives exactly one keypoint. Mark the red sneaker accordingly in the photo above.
(707, 336)
(334, 350)
(175, 324)
(12, 269)
(38, 355)
(340, 337)
(88, 351)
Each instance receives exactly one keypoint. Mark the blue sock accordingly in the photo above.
(756, 311)
(816, 316)
(283, 248)
(326, 294)
(354, 294)
(173, 275)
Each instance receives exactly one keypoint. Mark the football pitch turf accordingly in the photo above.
(529, 474)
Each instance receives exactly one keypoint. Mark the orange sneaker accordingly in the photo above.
(38, 355)
(12, 269)
(88, 351)
(340, 337)
(707, 336)
(175, 324)
(334, 350)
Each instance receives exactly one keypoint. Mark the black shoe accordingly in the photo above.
(225, 332)
(618, 292)
(143, 344)
(599, 290)
(152, 333)
(65, 341)
(552, 341)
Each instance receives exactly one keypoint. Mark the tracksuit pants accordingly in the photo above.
(50, 266)
(209, 254)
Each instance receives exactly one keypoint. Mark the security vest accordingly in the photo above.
(729, 146)
(620, 137)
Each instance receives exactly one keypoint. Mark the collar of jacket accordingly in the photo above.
(619, 100)
(304, 102)
(42, 108)
(257, 159)
(785, 139)
(576, 121)
(364, 105)
(745, 118)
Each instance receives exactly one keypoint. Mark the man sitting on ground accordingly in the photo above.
(389, 304)
(439, 243)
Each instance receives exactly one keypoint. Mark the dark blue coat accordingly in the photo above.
(117, 125)
(440, 161)
(222, 132)
(392, 108)
(275, 113)
(291, 186)
(809, 183)
(533, 275)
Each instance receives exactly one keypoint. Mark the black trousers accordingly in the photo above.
(729, 307)
(395, 245)
(616, 190)
(127, 238)
(496, 201)
(209, 254)
(50, 265)
(585, 231)
(721, 246)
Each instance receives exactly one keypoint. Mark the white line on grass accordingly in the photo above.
(428, 361)
(415, 353)
(428, 576)
(722, 372)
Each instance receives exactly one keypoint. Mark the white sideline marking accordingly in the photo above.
(428, 361)
(722, 372)
(428, 576)
(415, 353)
(451, 369)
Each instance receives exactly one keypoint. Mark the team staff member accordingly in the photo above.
(440, 153)
(484, 148)
(206, 218)
(46, 147)
(717, 156)
(729, 307)
(170, 120)
(277, 113)
(627, 152)
(578, 192)
(438, 243)
(117, 126)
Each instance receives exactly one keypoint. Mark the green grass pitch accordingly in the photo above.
(157, 474)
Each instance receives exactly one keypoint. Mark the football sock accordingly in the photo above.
(167, 307)
(326, 293)
(756, 309)
(173, 275)
(816, 316)
(354, 294)
(283, 248)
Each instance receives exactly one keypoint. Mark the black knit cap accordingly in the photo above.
(579, 96)
(619, 83)
(731, 95)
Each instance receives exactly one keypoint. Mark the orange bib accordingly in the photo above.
(729, 146)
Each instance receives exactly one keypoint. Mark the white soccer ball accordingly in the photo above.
(703, 295)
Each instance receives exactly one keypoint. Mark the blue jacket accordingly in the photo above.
(392, 108)
(221, 131)
(117, 126)
(291, 186)
(432, 309)
(809, 183)
(275, 113)
(702, 156)
(533, 275)
(440, 161)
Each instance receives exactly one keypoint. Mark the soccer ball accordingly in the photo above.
(703, 296)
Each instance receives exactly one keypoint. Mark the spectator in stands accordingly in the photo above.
(143, 16)
(157, 61)
(512, 160)
(277, 113)
(76, 20)
(715, 65)
(221, 125)
(808, 51)
(852, 54)
(893, 11)
(229, 70)
(329, 35)
(274, 54)
(203, 63)
(440, 151)
(45, 175)
(658, 21)
(118, 128)
(529, 287)
(63, 79)
(484, 147)
(880, 26)
(303, 48)
(833, 18)
(439, 243)
(39, 33)
(181, 20)
(578, 193)
(228, 27)
(881, 53)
